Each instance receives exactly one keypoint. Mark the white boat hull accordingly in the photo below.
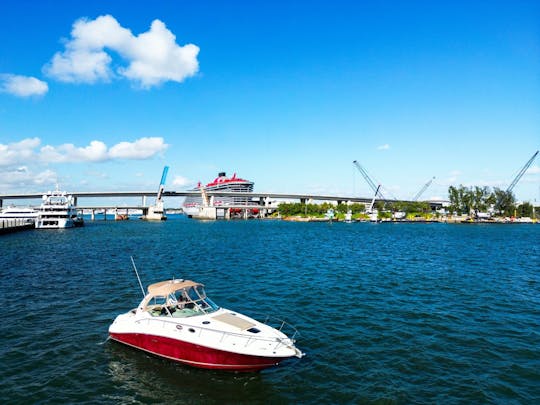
(56, 223)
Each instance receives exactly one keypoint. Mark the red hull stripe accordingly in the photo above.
(195, 355)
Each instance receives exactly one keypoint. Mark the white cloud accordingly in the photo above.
(80, 66)
(46, 177)
(383, 147)
(18, 152)
(22, 177)
(533, 170)
(153, 57)
(27, 151)
(22, 86)
(181, 181)
(143, 148)
(95, 152)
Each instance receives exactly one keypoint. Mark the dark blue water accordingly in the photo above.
(388, 313)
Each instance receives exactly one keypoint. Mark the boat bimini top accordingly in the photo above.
(178, 298)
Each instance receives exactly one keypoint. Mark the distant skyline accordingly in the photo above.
(103, 95)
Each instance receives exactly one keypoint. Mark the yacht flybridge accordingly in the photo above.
(176, 320)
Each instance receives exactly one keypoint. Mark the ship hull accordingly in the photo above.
(195, 355)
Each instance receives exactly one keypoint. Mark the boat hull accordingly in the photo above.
(195, 355)
(54, 223)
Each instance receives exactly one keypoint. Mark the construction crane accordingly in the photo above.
(373, 213)
(516, 179)
(370, 182)
(370, 209)
(521, 173)
(424, 188)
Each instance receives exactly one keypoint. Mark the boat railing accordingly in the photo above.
(287, 341)
(279, 324)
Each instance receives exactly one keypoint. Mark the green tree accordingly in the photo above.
(505, 202)
(479, 197)
(460, 199)
(525, 210)
(466, 200)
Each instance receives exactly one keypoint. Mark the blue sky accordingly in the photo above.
(102, 95)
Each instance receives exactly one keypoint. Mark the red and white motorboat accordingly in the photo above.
(178, 321)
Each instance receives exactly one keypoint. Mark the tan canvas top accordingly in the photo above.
(164, 288)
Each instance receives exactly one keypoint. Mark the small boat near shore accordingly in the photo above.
(176, 320)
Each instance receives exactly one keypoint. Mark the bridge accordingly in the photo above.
(261, 196)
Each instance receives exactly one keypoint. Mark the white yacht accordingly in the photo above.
(26, 214)
(57, 211)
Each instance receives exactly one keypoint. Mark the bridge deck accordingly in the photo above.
(261, 197)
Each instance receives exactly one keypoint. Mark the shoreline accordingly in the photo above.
(415, 221)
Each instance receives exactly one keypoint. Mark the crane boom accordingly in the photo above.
(424, 188)
(504, 196)
(370, 209)
(370, 182)
(521, 173)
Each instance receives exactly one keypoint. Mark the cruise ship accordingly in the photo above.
(221, 183)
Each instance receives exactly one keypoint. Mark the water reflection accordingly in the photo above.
(140, 377)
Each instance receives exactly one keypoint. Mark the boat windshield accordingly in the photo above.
(183, 302)
(195, 298)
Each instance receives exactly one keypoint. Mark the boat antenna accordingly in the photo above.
(137, 273)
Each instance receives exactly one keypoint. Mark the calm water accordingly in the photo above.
(388, 313)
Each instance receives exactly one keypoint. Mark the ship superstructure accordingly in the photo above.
(221, 183)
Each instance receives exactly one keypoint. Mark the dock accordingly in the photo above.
(15, 225)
